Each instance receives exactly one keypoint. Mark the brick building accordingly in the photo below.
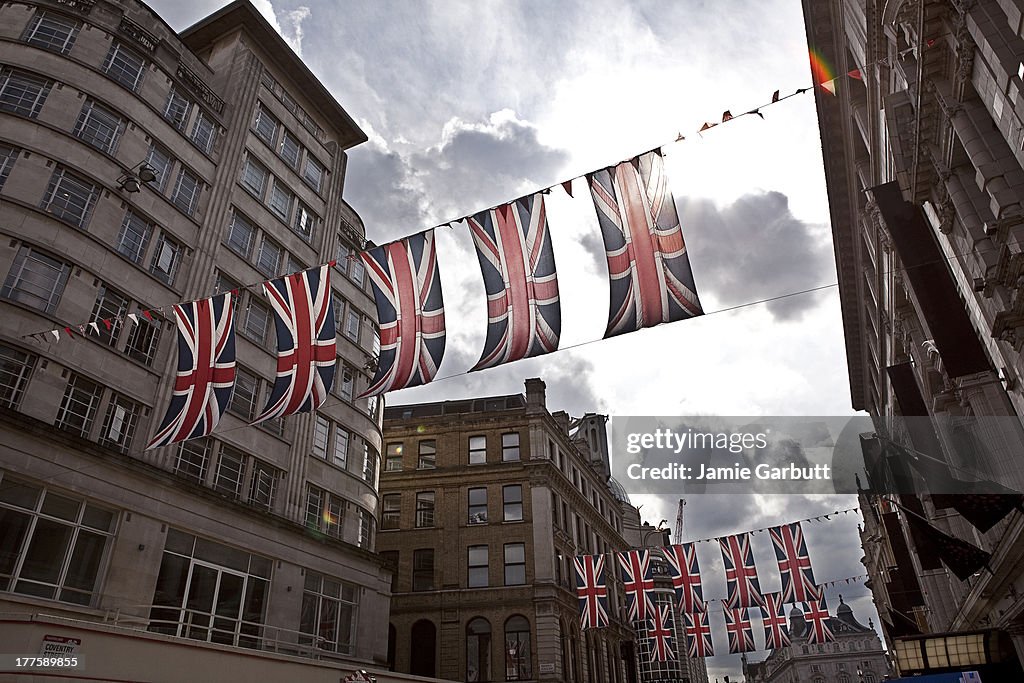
(484, 503)
(924, 164)
(141, 167)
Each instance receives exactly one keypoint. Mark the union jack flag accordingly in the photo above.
(660, 634)
(794, 563)
(698, 635)
(524, 317)
(682, 560)
(773, 618)
(638, 582)
(741, 633)
(206, 370)
(306, 348)
(744, 589)
(817, 617)
(410, 310)
(648, 266)
(591, 590)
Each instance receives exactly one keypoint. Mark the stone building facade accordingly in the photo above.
(856, 656)
(484, 504)
(140, 167)
(924, 164)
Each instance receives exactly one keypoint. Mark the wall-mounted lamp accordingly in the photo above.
(132, 179)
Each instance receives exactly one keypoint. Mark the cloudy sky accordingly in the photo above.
(468, 104)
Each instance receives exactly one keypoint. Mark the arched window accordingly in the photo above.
(478, 650)
(518, 664)
(843, 677)
(423, 649)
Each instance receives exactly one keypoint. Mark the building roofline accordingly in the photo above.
(242, 13)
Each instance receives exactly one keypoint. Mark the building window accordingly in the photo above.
(328, 613)
(165, 259)
(229, 582)
(365, 537)
(134, 236)
(369, 464)
(54, 544)
(281, 199)
(268, 261)
(69, 197)
(478, 650)
(391, 511)
(340, 451)
(192, 460)
(241, 235)
(289, 149)
(512, 501)
(477, 450)
(424, 509)
(517, 649)
(15, 370)
(515, 564)
(264, 481)
(321, 436)
(99, 126)
(160, 160)
(78, 408)
(124, 66)
(8, 155)
(265, 125)
(428, 455)
(305, 222)
(230, 472)
(119, 424)
(510, 447)
(423, 569)
(324, 512)
(393, 460)
(22, 93)
(477, 564)
(177, 108)
(204, 132)
(257, 321)
(243, 398)
(313, 173)
(186, 191)
(352, 325)
(356, 271)
(347, 384)
(108, 312)
(143, 341)
(477, 505)
(254, 177)
(52, 32)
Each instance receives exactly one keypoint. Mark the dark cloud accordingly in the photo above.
(377, 185)
(755, 249)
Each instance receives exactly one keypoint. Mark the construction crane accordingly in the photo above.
(679, 521)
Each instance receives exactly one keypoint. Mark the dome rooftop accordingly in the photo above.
(618, 491)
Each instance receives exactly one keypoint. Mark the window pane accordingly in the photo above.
(305, 222)
(241, 235)
(111, 306)
(269, 258)
(204, 132)
(290, 149)
(134, 236)
(99, 126)
(119, 423)
(313, 173)
(281, 200)
(85, 561)
(186, 191)
(510, 446)
(230, 469)
(46, 551)
(477, 450)
(177, 108)
(78, 408)
(13, 528)
(160, 162)
(143, 341)
(124, 66)
(22, 93)
(15, 370)
(165, 259)
(254, 177)
(69, 198)
(428, 455)
(52, 32)
(265, 125)
(243, 399)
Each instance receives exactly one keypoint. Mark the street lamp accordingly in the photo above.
(131, 180)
